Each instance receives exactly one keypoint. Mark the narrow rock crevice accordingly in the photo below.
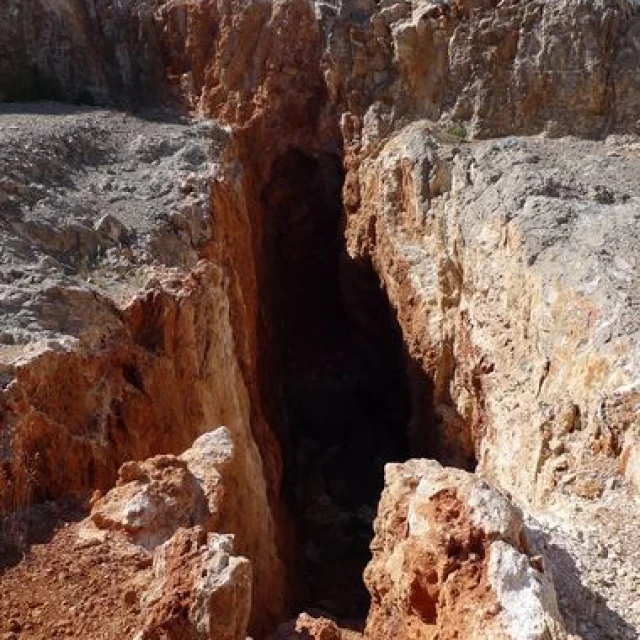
(350, 397)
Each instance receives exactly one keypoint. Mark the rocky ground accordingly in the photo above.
(135, 567)
(66, 589)
(95, 204)
(91, 201)
(352, 233)
(592, 548)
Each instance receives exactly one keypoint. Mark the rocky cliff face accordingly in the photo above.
(396, 229)
(504, 67)
(475, 242)
(110, 313)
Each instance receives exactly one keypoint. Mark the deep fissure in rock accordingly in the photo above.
(344, 396)
(342, 379)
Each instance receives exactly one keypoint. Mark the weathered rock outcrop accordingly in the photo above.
(534, 369)
(540, 287)
(121, 348)
(450, 560)
(501, 67)
(200, 590)
(175, 508)
(139, 292)
(212, 485)
(504, 67)
(89, 52)
(279, 109)
(67, 279)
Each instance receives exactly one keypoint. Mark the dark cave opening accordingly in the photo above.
(341, 380)
(340, 388)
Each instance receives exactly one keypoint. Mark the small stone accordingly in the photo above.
(588, 487)
(130, 598)
(556, 446)
(111, 227)
(611, 483)
(562, 464)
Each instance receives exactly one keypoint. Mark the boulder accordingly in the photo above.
(450, 560)
(201, 590)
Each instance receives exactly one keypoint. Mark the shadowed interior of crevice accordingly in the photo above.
(342, 380)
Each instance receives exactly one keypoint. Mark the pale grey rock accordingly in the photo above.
(527, 596)
(92, 203)
(494, 513)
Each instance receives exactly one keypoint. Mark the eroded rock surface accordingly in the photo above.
(141, 303)
(101, 342)
(525, 270)
(505, 67)
(175, 509)
(522, 263)
(85, 201)
(450, 560)
(180, 573)
(193, 514)
(200, 589)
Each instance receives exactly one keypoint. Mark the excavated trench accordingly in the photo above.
(344, 383)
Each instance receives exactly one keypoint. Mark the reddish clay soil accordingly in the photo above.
(69, 589)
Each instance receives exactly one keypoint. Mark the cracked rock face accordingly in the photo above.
(474, 241)
(505, 67)
(489, 160)
(200, 589)
(174, 510)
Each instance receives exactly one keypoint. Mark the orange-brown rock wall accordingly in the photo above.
(501, 68)
(169, 374)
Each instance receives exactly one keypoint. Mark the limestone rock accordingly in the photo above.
(527, 598)
(450, 560)
(200, 590)
(168, 504)
(490, 310)
(503, 67)
(151, 501)
(154, 498)
(509, 264)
